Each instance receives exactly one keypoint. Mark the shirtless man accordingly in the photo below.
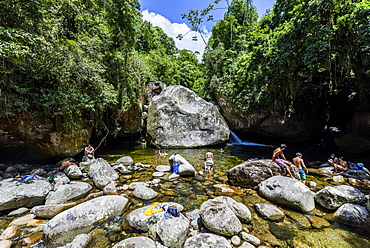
(279, 158)
(65, 164)
(334, 161)
(89, 150)
(302, 169)
(208, 163)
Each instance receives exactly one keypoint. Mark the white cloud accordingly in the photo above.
(174, 29)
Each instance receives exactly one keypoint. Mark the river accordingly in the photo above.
(296, 230)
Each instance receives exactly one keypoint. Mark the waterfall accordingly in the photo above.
(235, 140)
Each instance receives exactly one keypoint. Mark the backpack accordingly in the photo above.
(360, 165)
(176, 168)
(352, 166)
(173, 211)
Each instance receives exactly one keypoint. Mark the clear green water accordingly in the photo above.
(294, 231)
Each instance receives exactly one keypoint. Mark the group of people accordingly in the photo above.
(279, 158)
(339, 164)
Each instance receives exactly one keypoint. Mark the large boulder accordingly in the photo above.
(16, 193)
(68, 192)
(185, 168)
(239, 209)
(179, 118)
(353, 215)
(102, 173)
(288, 192)
(73, 172)
(140, 221)
(251, 173)
(334, 197)
(269, 211)
(173, 232)
(144, 193)
(81, 219)
(219, 218)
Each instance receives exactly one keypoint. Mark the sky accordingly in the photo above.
(167, 15)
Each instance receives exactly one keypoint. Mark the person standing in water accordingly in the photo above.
(302, 169)
(208, 163)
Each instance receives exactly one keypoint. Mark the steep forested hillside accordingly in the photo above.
(73, 59)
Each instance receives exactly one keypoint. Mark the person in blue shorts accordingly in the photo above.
(302, 169)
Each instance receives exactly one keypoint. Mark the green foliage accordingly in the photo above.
(81, 59)
(302, 48)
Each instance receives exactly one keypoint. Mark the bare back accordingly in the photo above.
(299, 163)
(278, 153)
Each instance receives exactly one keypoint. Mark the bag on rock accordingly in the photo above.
(176, 168)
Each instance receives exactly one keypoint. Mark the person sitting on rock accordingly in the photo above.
(334, 161)
(89, 150)
(342, 166)
(32, 175)
(65, 164)
(279, 158)
(302, 169)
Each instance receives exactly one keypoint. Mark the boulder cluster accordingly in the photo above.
(64, 212)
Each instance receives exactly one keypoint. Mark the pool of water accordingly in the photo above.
(191, 192)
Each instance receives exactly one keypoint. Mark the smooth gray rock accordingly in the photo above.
(173, 232)
(334, 197)
(49, 211)
(18, 212)
(251, 173)
(81, 219)
(110, 189)
(288, 192)
(207, 240)
(138, 220)
(16, 193)
(185, 168)
(269, 211)
(239, 209)
(250, 238)
(134, 242)
(353, 215)
(126, 160)
(73, 172)
(144, 193)
(122, 169)
(368, 203)
(68, 192)
(86, 162)
(163, 168)
(219, 218)
(102, 173)
(179, 118)
(60, 179)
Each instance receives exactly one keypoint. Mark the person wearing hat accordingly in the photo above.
(302, 169)
(279, 158)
